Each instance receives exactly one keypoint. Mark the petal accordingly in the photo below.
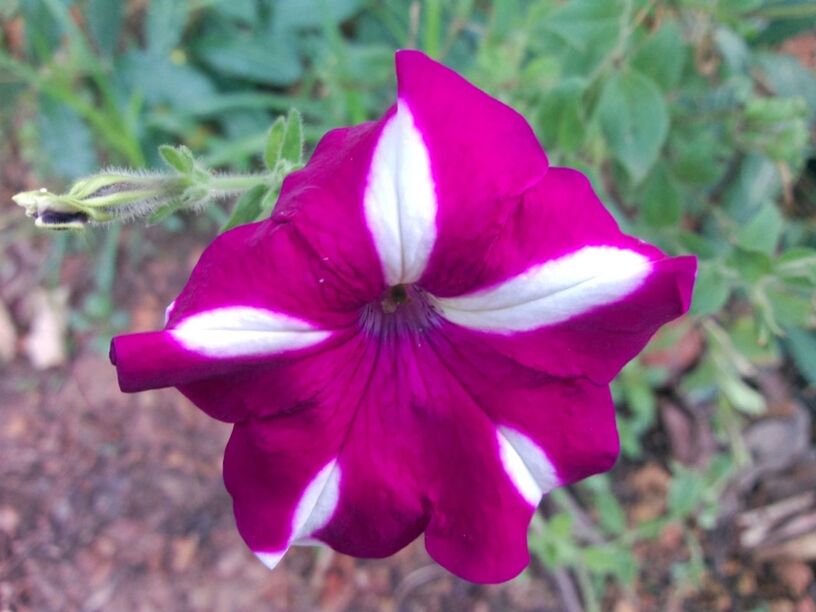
(563, 430)
(282, 471)
(323, 203)
(482, 154)
(390, 446)
(269, 386)
(340, 470)
(564, 291)
(400, 199)
(482, 494)
(283, 479)
(256, 296)
(557, 216)
(551, 292)
(267, 265)
(420, 454)
(239, 331)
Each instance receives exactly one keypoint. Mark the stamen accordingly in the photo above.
(402, 309)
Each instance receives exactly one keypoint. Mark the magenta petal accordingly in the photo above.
(422, 454)
(268, 265)
(479, 520)
(572, 420)
(558, 218)
(256, 297)
(323, 202)
(482, 154)
(412, 451)
(153, 360)
(599, 343)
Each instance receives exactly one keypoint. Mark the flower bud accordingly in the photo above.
(106, 197)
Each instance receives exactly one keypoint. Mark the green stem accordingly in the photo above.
(232, 183)
(782, 11)
(591, 603)
(432, 27)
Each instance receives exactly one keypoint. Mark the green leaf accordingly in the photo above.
(274, 143)
(758, 182)
(611, 560)
(734, 49)
(785, 19)
(164, 212)
(752, 266)
(797, 263)
(711, 289)
(245, 11)
(787, 77)
(703, 246)
(270, 199)
(610, 513)
(179, 158)
(743, 397)
(802, 347)
(561, 121)
(259, 59)
(292, 147)
(580, 33)
(763, 231)
(661, 198)
(698, 157)
(662, 56)
(560, 525)
(42, 32)
(300, 14)
(248, 208)
(165, 25)
(162, 81)
(66, 142)
(746, 337)
(789, 307)
(104, 19)
(685, 491)
(634, 120)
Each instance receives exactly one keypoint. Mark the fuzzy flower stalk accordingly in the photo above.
(120, 195)
(116, 195)
(420, 338)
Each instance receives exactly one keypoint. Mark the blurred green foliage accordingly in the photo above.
(693, 127)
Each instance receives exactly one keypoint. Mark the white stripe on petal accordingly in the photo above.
(400, 199)
(552, 292)
(517, 471)
(314, 510)
(270, 559)
(237, 331)
(535, 461)
(318, 503)
(168, 311)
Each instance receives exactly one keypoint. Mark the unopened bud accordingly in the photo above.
(107, 197)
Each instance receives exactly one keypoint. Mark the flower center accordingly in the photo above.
(401, 309)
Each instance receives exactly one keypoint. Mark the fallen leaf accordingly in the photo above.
(776, 442)
(45, 343)
(806, 604)
(691, 439)
(795, 575)
(651, 483)
(184, 549)
(8, 335)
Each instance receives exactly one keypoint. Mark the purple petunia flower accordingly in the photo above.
(419, 340)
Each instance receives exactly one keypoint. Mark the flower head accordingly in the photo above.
(419, 340)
